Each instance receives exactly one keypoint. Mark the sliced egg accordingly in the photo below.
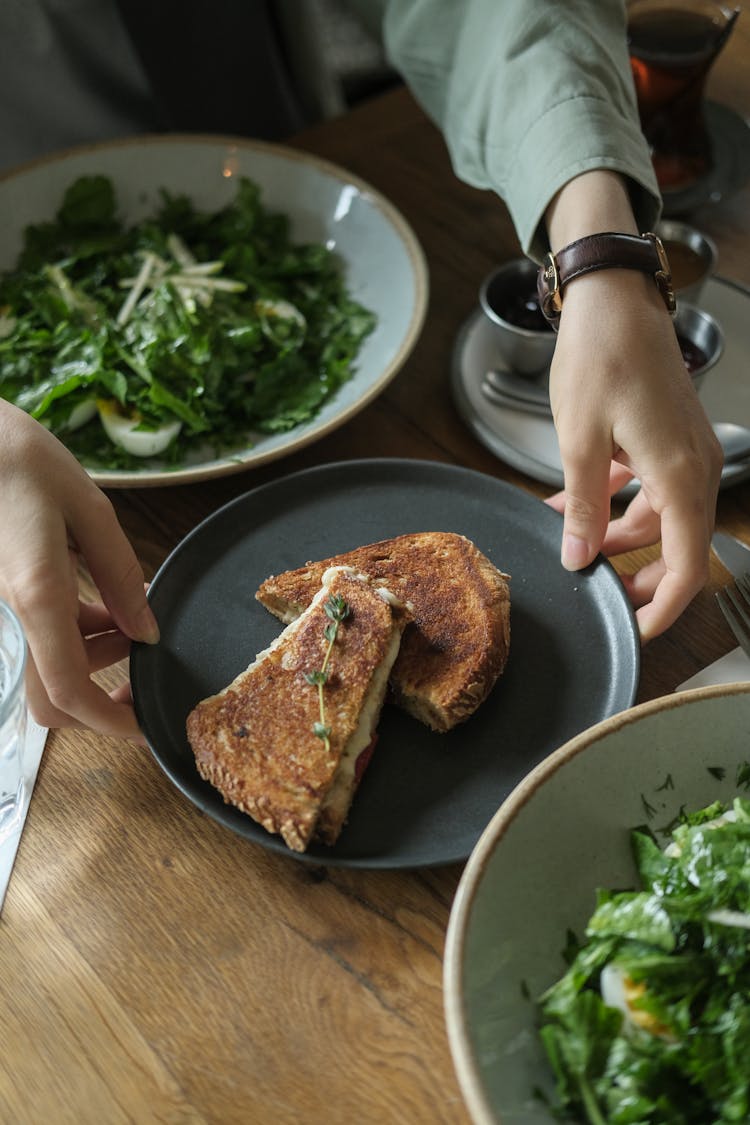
(81, 414)
(282, 309)
(621, 991)
(123, 430)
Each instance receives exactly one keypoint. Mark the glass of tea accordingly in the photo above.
(672, 46)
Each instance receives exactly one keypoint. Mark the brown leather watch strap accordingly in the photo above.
(607, 250)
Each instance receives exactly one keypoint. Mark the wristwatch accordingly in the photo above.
(603, 251)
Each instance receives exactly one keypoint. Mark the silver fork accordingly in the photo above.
(734, 602)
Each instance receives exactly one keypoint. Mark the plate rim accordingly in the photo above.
(250, 457)
(373, 466)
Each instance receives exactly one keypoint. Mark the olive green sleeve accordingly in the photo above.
(528, 94)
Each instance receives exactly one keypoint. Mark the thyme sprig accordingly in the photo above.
(337, 609)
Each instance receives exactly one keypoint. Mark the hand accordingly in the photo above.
(625, 406)
(51, 512)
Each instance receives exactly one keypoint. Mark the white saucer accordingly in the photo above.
(528, 442)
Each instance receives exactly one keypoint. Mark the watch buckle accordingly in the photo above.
(553, 297)
(663, 276)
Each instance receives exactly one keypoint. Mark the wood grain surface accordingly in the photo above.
(154, 967)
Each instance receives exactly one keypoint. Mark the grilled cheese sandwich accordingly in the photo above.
(286, 742)
(457, 642)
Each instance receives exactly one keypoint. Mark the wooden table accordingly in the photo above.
(156, 967)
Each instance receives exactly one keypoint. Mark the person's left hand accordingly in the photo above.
(53, 516)
(624, 406)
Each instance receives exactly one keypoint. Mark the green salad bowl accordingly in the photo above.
(532, 878)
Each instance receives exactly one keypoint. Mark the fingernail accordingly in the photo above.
(575, 552)
(147, 627)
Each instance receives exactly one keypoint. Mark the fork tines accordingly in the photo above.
(734, 602)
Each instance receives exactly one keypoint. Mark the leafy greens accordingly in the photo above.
(681, 946)
(216, 321)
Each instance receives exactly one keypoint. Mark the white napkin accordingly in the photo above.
(729, 669)
(36, 737)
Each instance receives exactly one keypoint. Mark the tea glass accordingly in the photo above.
(673, 45)
(12, 721)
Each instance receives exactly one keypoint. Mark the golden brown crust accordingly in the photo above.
(255, 741)
(457, 646)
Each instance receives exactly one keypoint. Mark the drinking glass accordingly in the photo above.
(673, 45)
(12, 720)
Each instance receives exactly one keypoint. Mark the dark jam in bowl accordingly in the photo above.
(524, 312)
(693, 356)
(515, 301)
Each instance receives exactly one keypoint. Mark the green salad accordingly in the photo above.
(650, 1025)
(186, 330)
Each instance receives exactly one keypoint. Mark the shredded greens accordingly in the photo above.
(217, 325)
(676, 1049)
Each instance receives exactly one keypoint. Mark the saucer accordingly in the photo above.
(730, 137)
(528, 442)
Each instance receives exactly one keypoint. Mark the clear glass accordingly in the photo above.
(12, 720)
(673, 45)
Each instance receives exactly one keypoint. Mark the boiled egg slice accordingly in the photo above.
(620, 991)
(122, 429)
(284, 310)
(81, 414)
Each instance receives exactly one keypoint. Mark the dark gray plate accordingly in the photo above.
(426, 797)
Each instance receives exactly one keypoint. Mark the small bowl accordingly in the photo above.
(692, 257)
(562, 833)
(508, 299)
(701, 340)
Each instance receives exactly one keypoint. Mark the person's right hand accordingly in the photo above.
(625, 406)
(51, 512)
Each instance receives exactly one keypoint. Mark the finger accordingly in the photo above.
(686, 537)
(114, 567)
(557, 501)
(619, 476)
(105, 644)
(106, 649)
(586, 467)
(74, 700)
(642, 585)
(671, 597)
(60, 690)
(94, 618)
(639, 526)
(123, 694)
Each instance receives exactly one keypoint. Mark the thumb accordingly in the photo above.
(586, 511)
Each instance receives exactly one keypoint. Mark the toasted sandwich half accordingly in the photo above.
(458, 641)
(288, 740)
